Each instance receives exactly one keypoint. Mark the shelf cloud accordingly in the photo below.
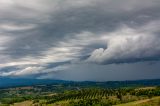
(51, 38)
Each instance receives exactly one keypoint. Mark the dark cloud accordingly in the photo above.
(83, 72)
(96, 18)
(41, 37)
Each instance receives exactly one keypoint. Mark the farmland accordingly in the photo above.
(130, 93)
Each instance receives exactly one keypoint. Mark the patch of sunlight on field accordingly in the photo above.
(145, 88)
(25, 103)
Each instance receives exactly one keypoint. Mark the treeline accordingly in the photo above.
(146, 92)
(12, 100)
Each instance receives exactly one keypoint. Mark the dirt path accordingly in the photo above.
(142, 101)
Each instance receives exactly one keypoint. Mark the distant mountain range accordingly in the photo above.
(14, 82)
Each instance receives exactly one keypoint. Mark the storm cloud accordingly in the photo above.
(50, 37)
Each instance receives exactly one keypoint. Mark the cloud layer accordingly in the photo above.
(40, 37)
(130, 45)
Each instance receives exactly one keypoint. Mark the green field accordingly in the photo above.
(90, 96)
(155, 101)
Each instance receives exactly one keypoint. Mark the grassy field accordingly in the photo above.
(155, 101)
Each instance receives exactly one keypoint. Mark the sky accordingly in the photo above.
(94, 40)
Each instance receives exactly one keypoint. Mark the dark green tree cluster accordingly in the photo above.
(146, 92)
